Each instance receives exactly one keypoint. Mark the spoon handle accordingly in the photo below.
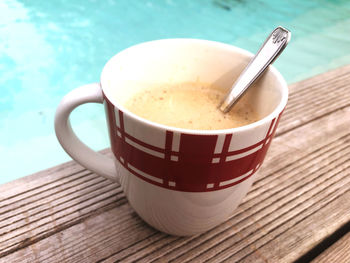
(267, 54)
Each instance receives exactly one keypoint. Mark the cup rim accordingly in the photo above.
(267, 119)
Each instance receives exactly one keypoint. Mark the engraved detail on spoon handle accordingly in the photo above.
(267, 54)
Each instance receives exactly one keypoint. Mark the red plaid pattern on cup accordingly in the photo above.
(181, 161)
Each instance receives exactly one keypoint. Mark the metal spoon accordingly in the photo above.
(267, 54)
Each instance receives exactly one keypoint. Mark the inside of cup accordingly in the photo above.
(173, 61)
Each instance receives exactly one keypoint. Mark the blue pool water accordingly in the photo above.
(48, 48)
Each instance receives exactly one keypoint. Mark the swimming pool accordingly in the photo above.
(48, 48)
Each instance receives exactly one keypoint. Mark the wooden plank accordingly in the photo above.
(312, 98)
(338, 252)
(50, 202)
(38, 211)
(277, 205)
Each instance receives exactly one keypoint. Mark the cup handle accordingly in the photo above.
(92, 160)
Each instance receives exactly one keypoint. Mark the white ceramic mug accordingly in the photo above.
(180, 181)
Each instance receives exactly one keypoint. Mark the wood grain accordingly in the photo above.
(68, 214)
(339, 252)
(313, 98)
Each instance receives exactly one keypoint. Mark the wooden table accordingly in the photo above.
(297, 210)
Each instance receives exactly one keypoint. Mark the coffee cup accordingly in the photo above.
(180, 181)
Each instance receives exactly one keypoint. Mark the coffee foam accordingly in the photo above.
(189, 105)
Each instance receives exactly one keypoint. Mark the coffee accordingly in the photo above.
(190, 105)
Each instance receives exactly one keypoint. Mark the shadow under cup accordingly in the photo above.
(180, 181)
